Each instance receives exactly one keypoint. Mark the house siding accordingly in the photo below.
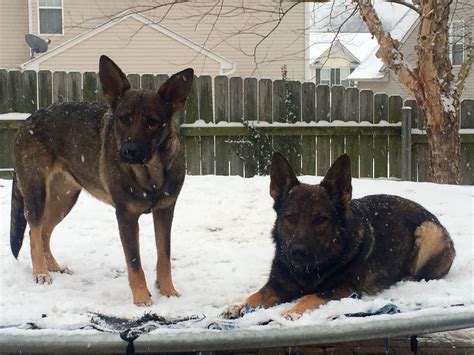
(232, 36)
(130, 54)
(13, 27)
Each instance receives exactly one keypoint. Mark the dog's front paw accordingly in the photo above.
(144, 303)
(235, 310)
(42, 279)
(167, 291)
(291, 315)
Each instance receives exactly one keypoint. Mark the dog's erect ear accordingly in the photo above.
(113, 80)
(338, 180)
(282, 177)
(177, 88)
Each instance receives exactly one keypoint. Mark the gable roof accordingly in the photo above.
(226, 66)
(372, 68)
(356, 45)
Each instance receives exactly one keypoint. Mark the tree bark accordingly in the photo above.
(437, 97)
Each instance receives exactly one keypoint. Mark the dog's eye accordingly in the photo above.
(126, 119)
(151, 122)
(319, 220)
(291, 218)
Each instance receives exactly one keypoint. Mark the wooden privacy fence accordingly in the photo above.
(231, 125)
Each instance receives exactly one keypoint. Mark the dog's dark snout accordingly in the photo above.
(133, 153)
(299, 251)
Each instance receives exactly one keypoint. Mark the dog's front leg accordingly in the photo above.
(162, 219)
(314, 301)
(265, 297)
(128, 226)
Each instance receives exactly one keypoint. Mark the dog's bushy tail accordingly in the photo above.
(17, 219)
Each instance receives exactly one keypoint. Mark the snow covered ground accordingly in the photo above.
(221, 251)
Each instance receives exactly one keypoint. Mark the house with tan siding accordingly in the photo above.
(146, 37)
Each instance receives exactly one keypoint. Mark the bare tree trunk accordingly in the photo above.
(431, 82)
(436, 94)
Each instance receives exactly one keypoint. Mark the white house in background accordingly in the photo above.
(342, 52)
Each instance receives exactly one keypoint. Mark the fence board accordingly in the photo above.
(236, 114)
(366, 164)
(308, 143)
(467, 149)
(323, 143)
(287, 108)
(6, 147)
(160, 79)
(193, 154)
(323, 103)
(221, 87)
(191, 111)
(29, 101)
(59, 87)
(422, 161)
(90, 87)
(45, 88)
(134, 80)
(251, 114)
(250, 99)
(4, 107)
(380, 142)
(147, 81)
(308, 105)
(74, 86)
(351, 113)
(337, 114)
(14, 91)
(206, 114)
(395, 104)
(265, 104)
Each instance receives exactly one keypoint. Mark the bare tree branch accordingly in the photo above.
(407, 4)
(389, 51)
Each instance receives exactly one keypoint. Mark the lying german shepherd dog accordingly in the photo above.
(129, 155)
(329, 246)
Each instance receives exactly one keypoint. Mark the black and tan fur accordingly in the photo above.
(329, 246)
(128, 154)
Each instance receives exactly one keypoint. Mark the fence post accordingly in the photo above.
(406, 143)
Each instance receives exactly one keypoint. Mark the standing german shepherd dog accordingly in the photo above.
(329, 246)
(129, 155)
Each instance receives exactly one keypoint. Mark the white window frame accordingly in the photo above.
(38, 7)
(328, 80)
(348, 70)
(450, 41)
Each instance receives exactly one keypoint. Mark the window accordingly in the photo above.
(456, 42)
(324, 76)
(50, 16)
(344, 74)
(333, 76)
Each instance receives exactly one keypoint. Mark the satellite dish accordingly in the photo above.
(37, 44)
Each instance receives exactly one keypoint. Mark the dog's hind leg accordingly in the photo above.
(62, 194)
(35, 199)
(434, 252)
(162, 219)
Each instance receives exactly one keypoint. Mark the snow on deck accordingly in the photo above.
(221, 251)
